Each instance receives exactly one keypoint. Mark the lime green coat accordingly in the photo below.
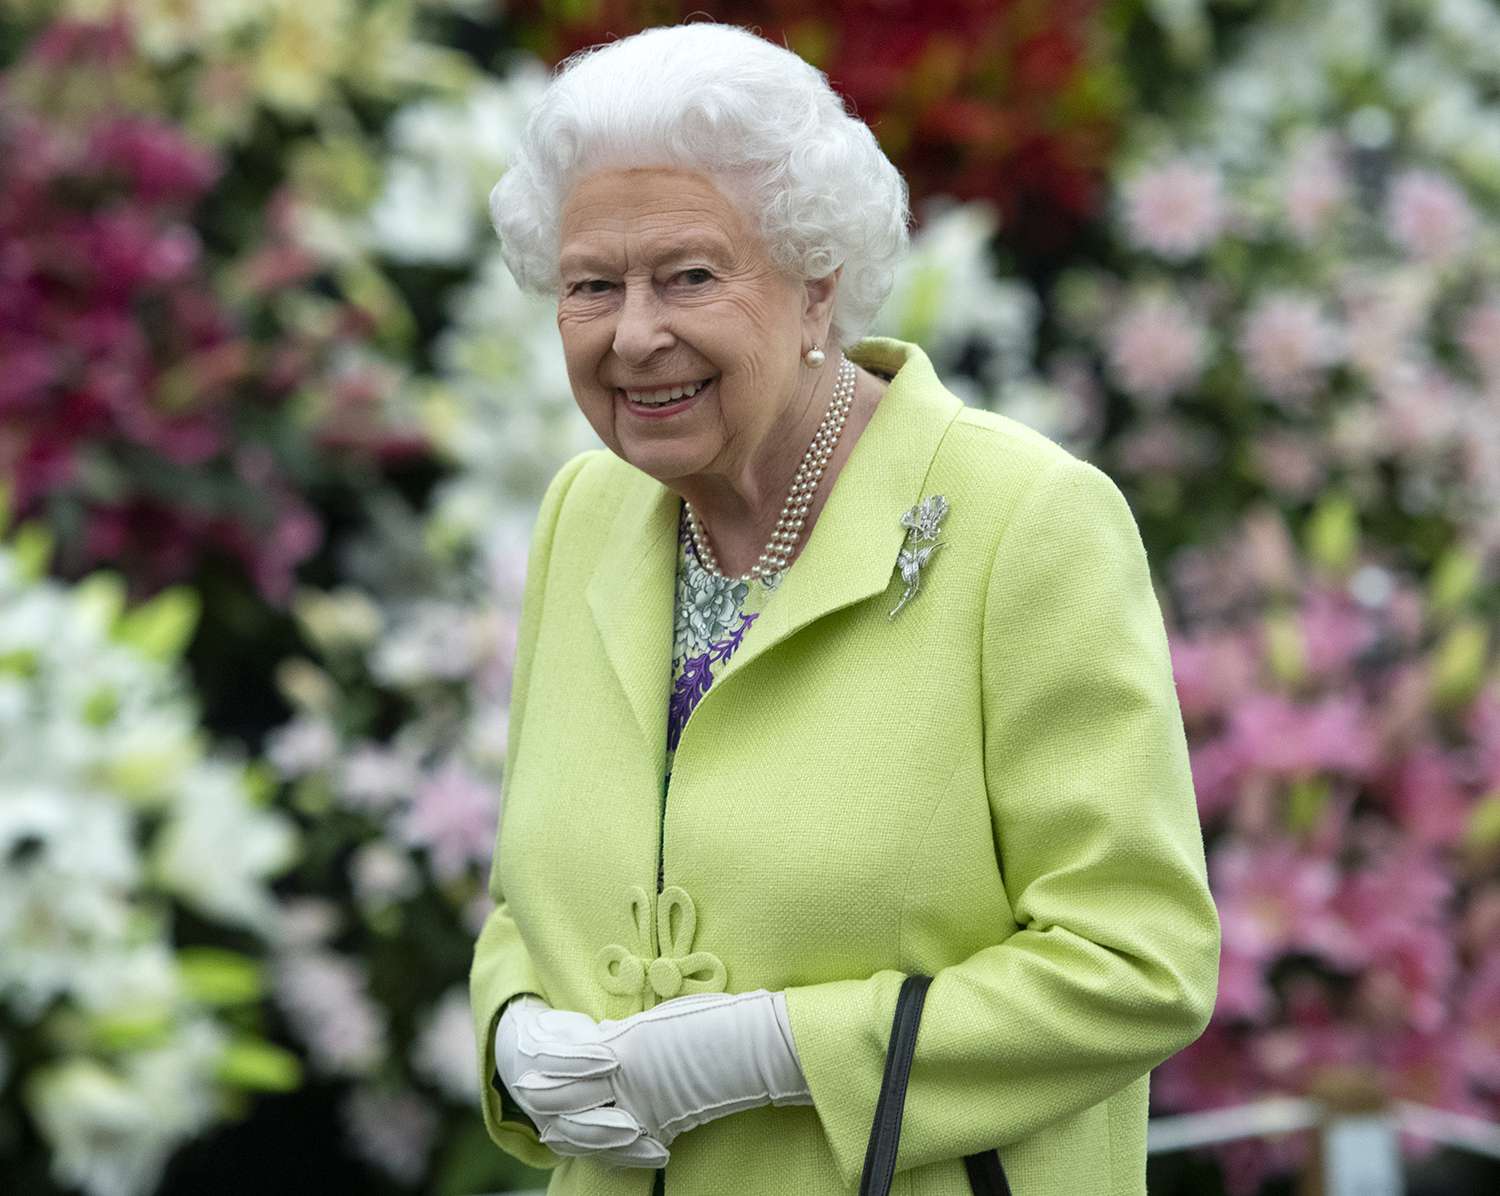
(991, 788)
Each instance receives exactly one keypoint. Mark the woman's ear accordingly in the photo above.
(817, 310)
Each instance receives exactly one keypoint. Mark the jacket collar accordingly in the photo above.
(849, 556)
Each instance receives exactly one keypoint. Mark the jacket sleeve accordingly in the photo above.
(501, 967)
(1113, 963)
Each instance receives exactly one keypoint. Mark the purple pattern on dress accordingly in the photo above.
(697, 676)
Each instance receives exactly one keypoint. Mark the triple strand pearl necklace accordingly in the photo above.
(804, 486)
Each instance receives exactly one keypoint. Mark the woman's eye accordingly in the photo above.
(697, 276)
(593, 286)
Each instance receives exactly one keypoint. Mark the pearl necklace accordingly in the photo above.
(804, 486)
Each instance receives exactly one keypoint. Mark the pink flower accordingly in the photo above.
(1482, 721)
(374, 778)
(325, 999)
(453, 815)
(1335, 630)
(1287, 342)
(1407, 983)
(1213, 1071)
(1429, 216)
(1156, 348)
(1480, 1018)
(1420, 408)
(1276, 736)
(1244, 988)
(1425, 797)
(1385, 313)
(158, 163)
(1165, 446)
(1479, 333)
(1176, 210)
(1212, 669)
(393, 1130)
(1397, 903)
(1217, 774)
(1429, 1069)
(1287, 463)
(444, 1049)
(1275, 899)
(1316, 186)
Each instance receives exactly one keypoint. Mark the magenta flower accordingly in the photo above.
(1279, 737)
(1424, 795)
(1335, 630)
(1274, 899)
(1212, 670)
(1480, 1018)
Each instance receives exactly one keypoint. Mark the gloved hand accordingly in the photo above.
(555, 1067)
(695, 1058)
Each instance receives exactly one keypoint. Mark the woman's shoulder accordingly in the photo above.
(999, 458)
(587, 493)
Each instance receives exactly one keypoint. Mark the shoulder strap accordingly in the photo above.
(986, 1175)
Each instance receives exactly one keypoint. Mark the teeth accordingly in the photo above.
(655, 398)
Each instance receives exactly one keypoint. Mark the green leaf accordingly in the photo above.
(161, 628)
(219, 977)
(129, 1030)
(1305, 802)
(100, 597)
(1483, 832)
(100, 707)
(1454, 580)
(32, 547)
(923, 303)
(259, 1066)
(1458, 663)
(1332, 533)
(1285, 652)
(22, 662)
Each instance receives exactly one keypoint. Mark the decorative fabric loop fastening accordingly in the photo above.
(618, 969)
(680, 969)
(630, 974)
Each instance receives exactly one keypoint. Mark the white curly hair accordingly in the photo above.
(754, 117)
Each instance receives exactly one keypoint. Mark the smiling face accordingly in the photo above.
(665, 285)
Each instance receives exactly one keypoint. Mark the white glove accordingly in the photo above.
(554, 1066)
(695, 1058)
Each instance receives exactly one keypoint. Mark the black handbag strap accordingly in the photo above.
(986, 1175)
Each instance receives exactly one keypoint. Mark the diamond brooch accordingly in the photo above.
(921, 524)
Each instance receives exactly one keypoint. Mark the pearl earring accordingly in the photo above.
(813, 357)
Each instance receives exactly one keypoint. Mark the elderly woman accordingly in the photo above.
(823, 678)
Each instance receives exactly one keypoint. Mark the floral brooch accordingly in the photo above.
(921, 523)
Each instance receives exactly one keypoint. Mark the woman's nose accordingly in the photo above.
(640, 328)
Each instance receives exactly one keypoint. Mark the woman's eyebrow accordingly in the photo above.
(584, 260)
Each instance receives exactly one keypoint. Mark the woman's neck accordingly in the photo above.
(738, 533)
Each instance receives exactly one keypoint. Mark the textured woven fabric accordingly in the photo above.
(991, 788)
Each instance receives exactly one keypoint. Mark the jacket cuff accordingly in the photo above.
(841, 1030)
(508, 1125)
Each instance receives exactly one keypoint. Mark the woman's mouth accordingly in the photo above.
(662, 403)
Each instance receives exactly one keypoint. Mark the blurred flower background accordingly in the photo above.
(274, 423)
